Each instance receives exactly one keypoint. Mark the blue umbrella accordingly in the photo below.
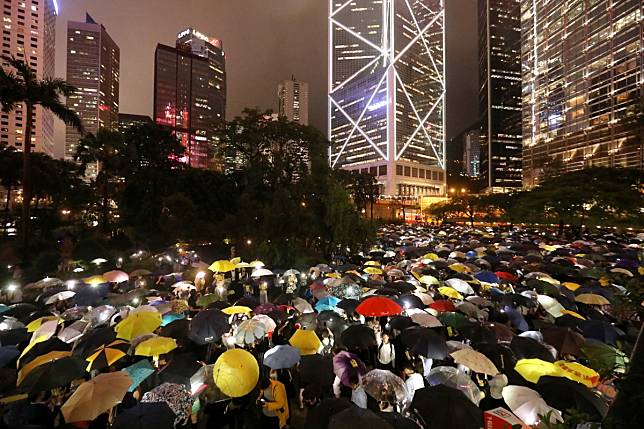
(171, 317)
(487, 277)
(327, 303)
(138, 373)
(3, 308)
(281, 357)
(516, 318)
(7, 354)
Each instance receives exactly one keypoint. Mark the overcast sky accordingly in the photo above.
(266, 41)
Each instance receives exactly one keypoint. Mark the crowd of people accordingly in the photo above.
(433, 327)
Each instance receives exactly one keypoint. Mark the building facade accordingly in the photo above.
(190, 93)
(500, 94)
(472, 154)
(29, 34)
(127, 120)
(293, 101)
(387, 93)
(93, 67)
(582, 85)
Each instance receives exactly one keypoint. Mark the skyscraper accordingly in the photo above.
(93, 68)
(582, 85)
(127, 120)
(500, 94)
(472, 154)
(190, 92)
(293, 99)
(387, 92)
(29, 34)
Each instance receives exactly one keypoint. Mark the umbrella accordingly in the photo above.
(145, 415)
(249, 331)
(454, 378)
(222, 266)
(408, 302)
(155, 346)
(577, 372)
(46, 372)
(475, 361)
(376, 306)
(281, 357)
(383, 385)
(551, 305)
(176, 396)
(358, 337)
(206, 300)
(100, 315)
(348, 368)
(442, 306)
(516, 318)
(533, 369)
(137, 324)
(107, 355)
(96, 396)
(566, 394)
(19, 310)
(269, 324)
(316, 370)
(302, 306)
(237, 309)
(401, 322)
(13, 336)
(427, 343)
(425, 319)
(450, 292)
(353, 415)
(528, 405)
(208, 326)
(60, 296)
(460, 285)
(602, 357)
(441, 407)
(116, 276)
(138, 372)
(565, 340)
(8, 354)
(327, 303)
(307, 342)
(236, 373)
(591, 299)
(528, 348)
(93, 339)
(600, 330)
(74, 331)
(318, 417)
(348, 305)
(261, 272)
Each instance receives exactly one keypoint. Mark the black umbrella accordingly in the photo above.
(440, 407)
(318, 417)
(600, 330)
(93, 340)
(44, 347)
(177, 329)
(53, 374)
(358, 337)
(8, 354)
(528, 348)
(354, 416)
(348, 305)
(410, 301)
(402, 287)
(180, 369)
(316, 370)
(565, 340)
(218, 305)
(36, 315)
(478, 333)
(401, 322)
(146, 415)
(430, 345)
(13, 336)
(565, 394)
(208, 326)
(91, 295)
(20, 310)
(398, 421)
(501, 355)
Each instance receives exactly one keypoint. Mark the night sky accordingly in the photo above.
(266, 41)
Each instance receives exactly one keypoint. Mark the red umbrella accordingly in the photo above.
(443, 305)
(508, 277)
(376, 306)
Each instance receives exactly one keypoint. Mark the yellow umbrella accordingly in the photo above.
(95, 280)
(237, 309)
(571, 286)
(475, 361)
(333, 275)
(372, 270)
(578, 372)
(222, 266)
(460, 268)
(240, 265)
(40, 360)
(136, 324)
(236, 260)
(256, 264)
(450, 292)
(592, 299)
(603, 281)
(429, 280)
(640, 270)
(35, 324)
(96, 396)
(236, 373)
(573, 314)
(372, 264)
(106, 355)
(430, 256)
(156, 346)
(533, 369)
(307, 342)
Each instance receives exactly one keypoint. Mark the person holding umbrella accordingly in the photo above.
(386, 355)
(274, 403)
(413, 380)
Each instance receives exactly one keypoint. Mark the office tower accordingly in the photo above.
(190, 92)
(387, 92)
(293, 98)
(93, 69)
(29, 34)
(472, 154)
(582, 85)
(127, 120)
(500, 94)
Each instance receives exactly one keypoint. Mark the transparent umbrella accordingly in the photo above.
(452, 377)
(384, 385)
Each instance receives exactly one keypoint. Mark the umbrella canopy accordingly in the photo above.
(376, 306)
(591, 299)
(317, 370)
(155, 346)
(52, 370)
(116, 276)
(237, 309)
(533, 369)
(577, 372)
(138, 372)
(261, 272)
(60, 296)
(307, 342)
(145, 415)
(327, 303)
(383, 385)
(430, 405)
(528, 405)
(236, 372)
(450, 292)
(250, 331)
(358, 337)
(137, 324)
(352, 416)
(222, 266)
(475, 361)
(176, 396)
(348, 368)
(96, 396)
(565, 394)
(282, 357)
(208, 326)
(107, 355)
(565, 340)
(452, 377)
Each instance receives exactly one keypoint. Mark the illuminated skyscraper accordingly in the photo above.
(293, 99)
(93, 69)
(190, 92)
(582, 85)
(29, 34)
(500, 94)
(387, 92)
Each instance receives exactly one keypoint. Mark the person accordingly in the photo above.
(274, 403)
(414, 381)
(386, 356)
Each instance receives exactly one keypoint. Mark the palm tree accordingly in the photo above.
(22, 86)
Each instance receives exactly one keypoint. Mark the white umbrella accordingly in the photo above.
(551, 305)
(261, 272)
(249, 331)
(182, 284)
(302, 306)
(60, 296)
(291, 272)
(98, 261)
(460, 285)
(99, 315)
(10, 323)
(269, 323)
(528, 405)
(73, 331)
(116, 276)
(44, 283)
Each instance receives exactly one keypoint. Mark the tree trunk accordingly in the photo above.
(26, 179)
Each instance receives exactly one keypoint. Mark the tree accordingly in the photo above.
(9, 174)
(362, 187)
(23, 87)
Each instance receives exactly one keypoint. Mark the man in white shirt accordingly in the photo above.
(386, 357)
(414, 381)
